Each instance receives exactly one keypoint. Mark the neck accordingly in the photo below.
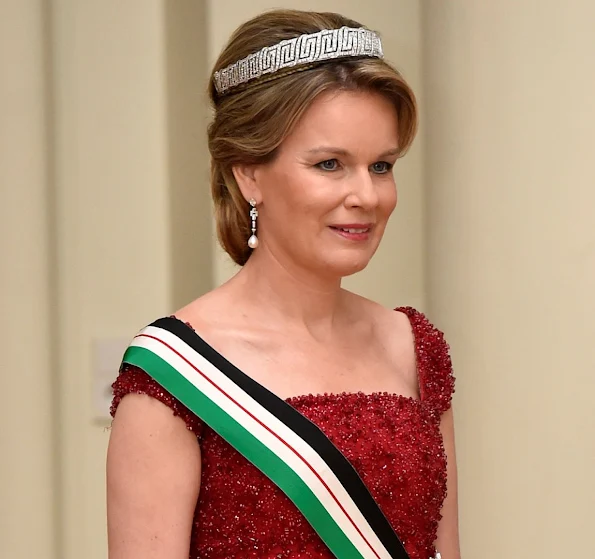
(284, 294)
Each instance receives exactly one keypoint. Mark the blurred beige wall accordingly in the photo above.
(105, 224)
(510, 122)
(28, 492)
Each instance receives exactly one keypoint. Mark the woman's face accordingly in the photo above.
(325, 200)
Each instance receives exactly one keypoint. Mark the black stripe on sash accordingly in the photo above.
(307, 430)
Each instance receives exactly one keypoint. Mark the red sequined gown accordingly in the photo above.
(393, 442)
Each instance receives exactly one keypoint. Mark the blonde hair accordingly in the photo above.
(250, 122)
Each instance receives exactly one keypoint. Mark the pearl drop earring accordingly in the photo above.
(253, 240)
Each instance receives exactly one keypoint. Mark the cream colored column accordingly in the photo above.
(510, 123)
(27, 411)
(133, 212)
(396, 275)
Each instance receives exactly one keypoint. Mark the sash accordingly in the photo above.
(287, 447)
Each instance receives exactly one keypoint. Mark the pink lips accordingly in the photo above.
(353, 231)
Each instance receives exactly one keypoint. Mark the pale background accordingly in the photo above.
(105, 224)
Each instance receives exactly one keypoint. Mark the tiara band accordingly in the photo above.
(305, 49)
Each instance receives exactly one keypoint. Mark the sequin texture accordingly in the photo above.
(393, 442)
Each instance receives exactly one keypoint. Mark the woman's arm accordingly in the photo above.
(447, 542)
(153, 481)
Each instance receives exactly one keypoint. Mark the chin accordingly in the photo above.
(344, 267)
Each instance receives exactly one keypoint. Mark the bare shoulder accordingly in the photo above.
(386, 322)
(210, 311)
(153, 481)
(145, 430)
(393, 337)
(204, 306)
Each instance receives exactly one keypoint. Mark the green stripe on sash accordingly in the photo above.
(247, 445)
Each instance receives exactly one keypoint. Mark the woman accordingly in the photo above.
(307, 421)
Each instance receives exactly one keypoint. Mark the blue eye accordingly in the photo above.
(328, 165)
(381, 167)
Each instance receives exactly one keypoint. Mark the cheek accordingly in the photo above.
(282, 194)
(313, 196)
(389, 200)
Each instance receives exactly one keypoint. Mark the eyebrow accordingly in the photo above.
(344, 152)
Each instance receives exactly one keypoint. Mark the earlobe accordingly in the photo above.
(246, 178)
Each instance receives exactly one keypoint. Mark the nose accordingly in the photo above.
(363, 192)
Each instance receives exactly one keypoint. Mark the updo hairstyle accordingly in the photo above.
(251, 121)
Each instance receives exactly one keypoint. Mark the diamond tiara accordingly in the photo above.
(305, 49)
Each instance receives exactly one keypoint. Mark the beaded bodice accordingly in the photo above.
(393, 442)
